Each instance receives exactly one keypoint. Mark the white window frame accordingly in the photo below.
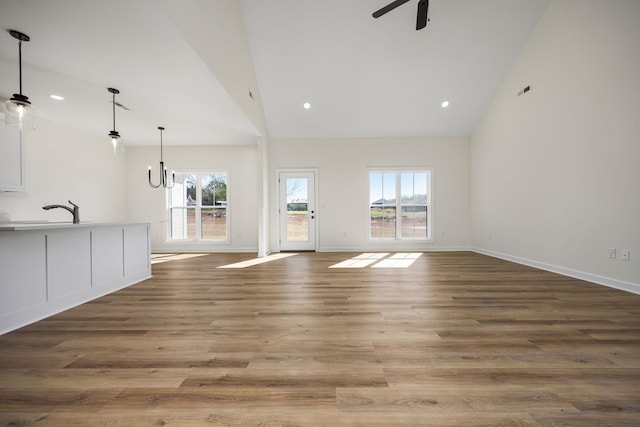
(198, 208)
(398, 204)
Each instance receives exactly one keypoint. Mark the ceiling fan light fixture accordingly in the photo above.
(445, 104)
(18, 109)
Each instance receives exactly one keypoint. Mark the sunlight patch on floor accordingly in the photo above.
(399, 260)
(256, 261)
(159, 258)
(378, 260)
(360, 261)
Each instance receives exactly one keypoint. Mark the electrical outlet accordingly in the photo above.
(626, 254)
(611, 252)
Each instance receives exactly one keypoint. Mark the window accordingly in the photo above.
(198, 207)
(400, 205)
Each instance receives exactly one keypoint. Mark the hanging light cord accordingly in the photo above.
(18, 98)
(114, 111)
(161, 159)
(20, 62)
(114, 135)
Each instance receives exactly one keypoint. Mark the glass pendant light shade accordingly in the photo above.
(18, 110)
(115, 137)
(19, 114)
(117, 145)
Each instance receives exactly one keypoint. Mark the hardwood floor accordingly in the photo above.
(456, 339)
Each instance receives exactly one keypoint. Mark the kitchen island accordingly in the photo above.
(48, 267)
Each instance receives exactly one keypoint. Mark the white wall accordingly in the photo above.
(555, 173)
(220, 40)
(65, 164)
(343, 187)
(148, 205)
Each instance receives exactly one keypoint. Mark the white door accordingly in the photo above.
(297, 211)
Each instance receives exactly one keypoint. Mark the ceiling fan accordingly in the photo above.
(423, 11)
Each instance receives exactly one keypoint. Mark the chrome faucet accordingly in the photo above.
(75, 211)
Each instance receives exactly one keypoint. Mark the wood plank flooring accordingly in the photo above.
(455, 339)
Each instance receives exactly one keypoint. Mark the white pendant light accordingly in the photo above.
(164, 179)
(18, 110)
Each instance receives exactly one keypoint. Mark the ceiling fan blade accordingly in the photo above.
(122, 106)
(423, 14)
(388, 8)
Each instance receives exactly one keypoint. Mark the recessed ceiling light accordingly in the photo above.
(56, 97)
(445, 104)
(306, 105)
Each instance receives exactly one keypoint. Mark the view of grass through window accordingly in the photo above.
(297, 209)
(198, 207)
(399, 204)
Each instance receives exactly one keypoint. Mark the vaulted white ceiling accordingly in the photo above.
(368, 77)
(79, 48)
(363, 77)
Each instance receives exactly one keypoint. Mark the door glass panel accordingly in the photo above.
(297, 209)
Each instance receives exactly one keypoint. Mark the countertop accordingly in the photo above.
(51, 225)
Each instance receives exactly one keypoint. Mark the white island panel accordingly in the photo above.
(136, 261)
(68, 262)
(107, 260)
(23, 275)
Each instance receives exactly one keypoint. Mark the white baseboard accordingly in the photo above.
(202, 249)
(396, 249)
(594, 278)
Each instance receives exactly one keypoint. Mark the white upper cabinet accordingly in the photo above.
(12, 158)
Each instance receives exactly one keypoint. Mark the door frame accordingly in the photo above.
(279, 172)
